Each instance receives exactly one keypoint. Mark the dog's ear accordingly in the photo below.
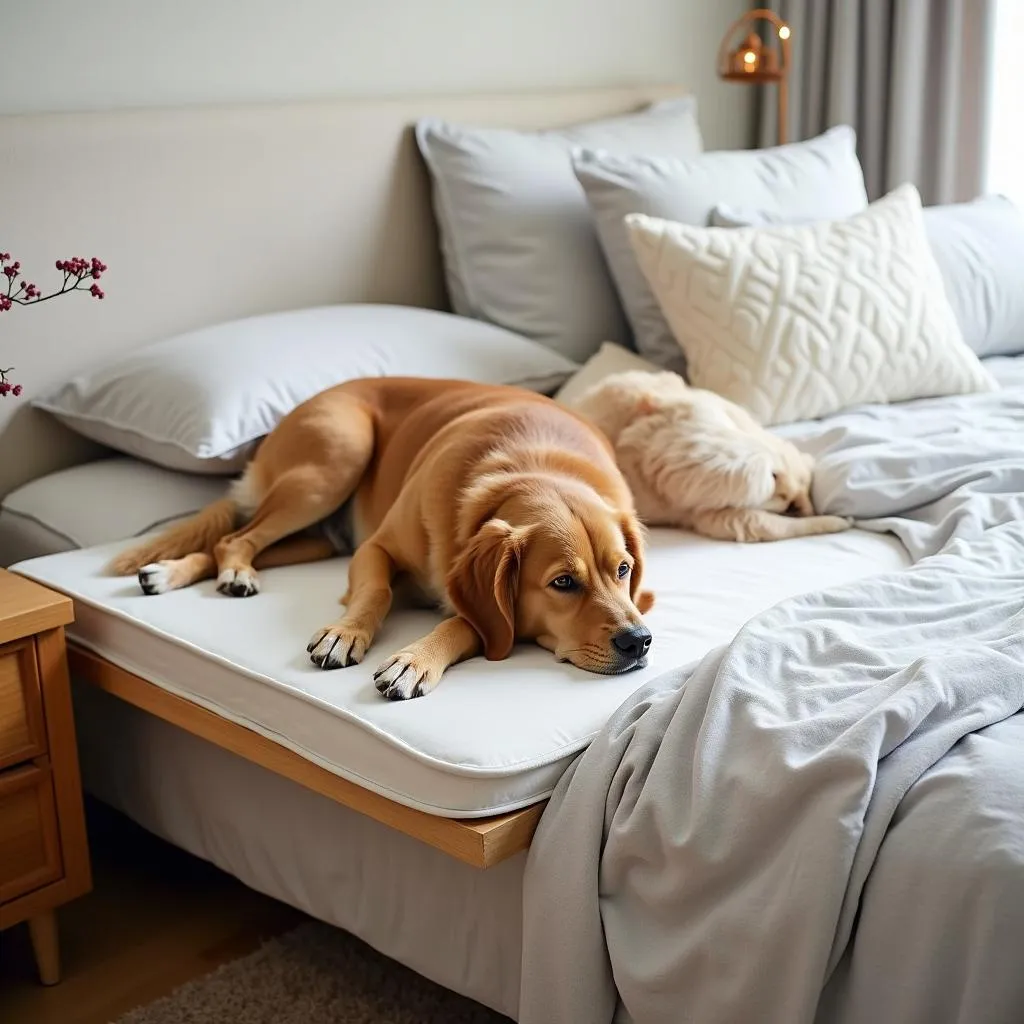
(483, 583)
(633, 533)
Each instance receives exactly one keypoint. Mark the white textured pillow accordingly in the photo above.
(518, 241)
(979, 247)
(797, 322)
(201, 401)
(817, 179)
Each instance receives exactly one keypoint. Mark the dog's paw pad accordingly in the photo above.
(337, 647)
(402, 677)
(155, 578)
(238, 583)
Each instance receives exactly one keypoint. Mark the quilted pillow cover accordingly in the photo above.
(797, 322)
(815, 179)
(979, 247)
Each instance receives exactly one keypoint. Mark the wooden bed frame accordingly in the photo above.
(479, 842)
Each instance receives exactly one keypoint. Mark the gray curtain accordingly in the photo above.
(909, 75)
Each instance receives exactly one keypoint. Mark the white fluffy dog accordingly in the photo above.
(698, 461)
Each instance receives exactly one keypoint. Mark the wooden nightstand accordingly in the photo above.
(44, 856)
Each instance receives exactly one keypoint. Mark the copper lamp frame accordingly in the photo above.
(756, 61)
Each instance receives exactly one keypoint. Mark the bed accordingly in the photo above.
(501, 752)
(200, 718)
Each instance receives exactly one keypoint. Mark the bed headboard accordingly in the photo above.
(205, 214)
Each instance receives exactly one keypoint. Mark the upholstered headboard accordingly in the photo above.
(207, 214)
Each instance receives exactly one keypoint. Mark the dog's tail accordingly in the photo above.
(199, 533)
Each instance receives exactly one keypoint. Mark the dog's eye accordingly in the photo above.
(565, 582)
(623, 570)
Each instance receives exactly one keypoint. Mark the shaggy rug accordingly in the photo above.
(313, 975)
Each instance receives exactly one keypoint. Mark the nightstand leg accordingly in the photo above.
(43, 931)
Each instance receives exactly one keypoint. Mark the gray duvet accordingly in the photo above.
(822, 821)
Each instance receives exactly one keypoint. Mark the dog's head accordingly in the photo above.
(561, 569)
(621, 398)
(793, 474)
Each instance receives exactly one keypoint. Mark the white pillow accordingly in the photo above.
(819, 178)
(200, 402)
(797, 322)
(979, 247)
(609, 359)
(517, 239)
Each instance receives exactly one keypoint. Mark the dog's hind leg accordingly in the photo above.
(312, 469)
(173, 574)
(752, 525)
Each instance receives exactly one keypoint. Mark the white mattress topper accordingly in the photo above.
(494, 735)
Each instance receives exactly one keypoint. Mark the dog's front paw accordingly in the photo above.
(238, 582)
(406, 674)
(338, 646)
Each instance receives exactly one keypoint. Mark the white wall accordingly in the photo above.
(74, 55)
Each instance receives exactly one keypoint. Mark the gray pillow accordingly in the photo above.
(73, 508)
(200, 402)
(820, 178)
(518, 243)
(979, 247)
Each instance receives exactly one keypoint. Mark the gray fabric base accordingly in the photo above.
(454, 924)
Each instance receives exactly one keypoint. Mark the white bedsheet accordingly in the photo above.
(495, 735)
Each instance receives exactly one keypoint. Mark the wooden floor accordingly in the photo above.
(156, 918)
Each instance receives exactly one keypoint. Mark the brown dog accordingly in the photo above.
(500, 506)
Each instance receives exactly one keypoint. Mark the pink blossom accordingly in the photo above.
(77, 270)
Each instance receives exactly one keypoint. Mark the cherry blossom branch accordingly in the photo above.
(80, 274)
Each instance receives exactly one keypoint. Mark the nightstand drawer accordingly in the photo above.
(22, 729)
(29, 844)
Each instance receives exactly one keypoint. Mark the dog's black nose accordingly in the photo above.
(633, 642)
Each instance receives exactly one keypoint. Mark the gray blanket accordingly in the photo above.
(824, 820)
